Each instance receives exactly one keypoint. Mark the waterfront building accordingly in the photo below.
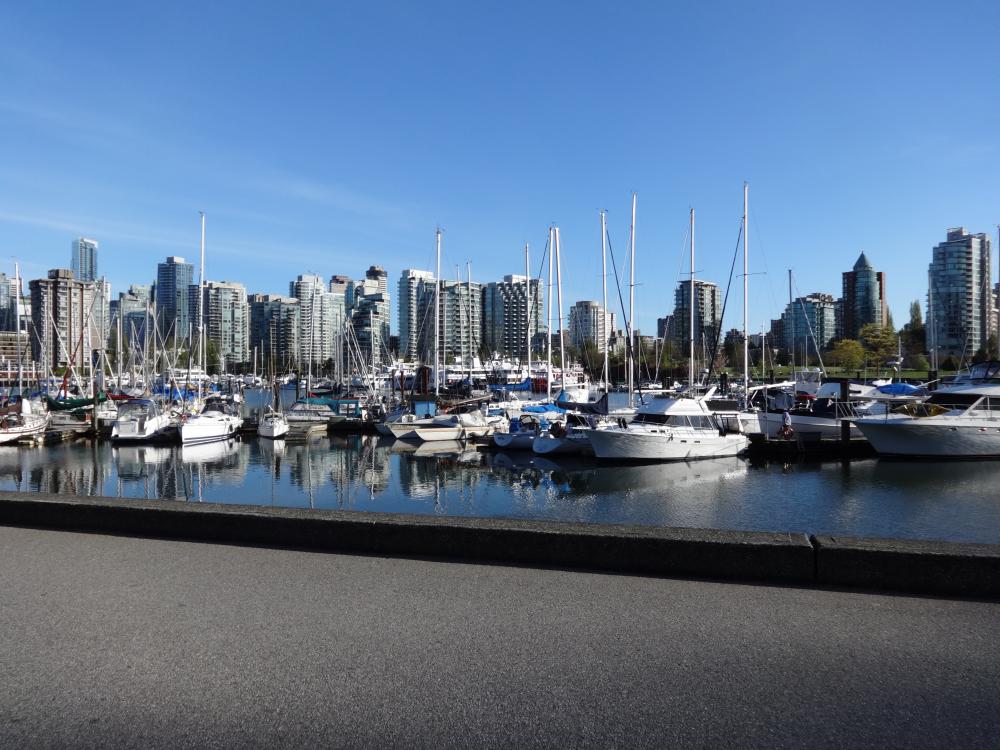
(83, 259)
(321, 320)
(809, 323)
(174, 280)
(960, 315)
(460, 328)
(663, 327)
(64, 327)
(707, 314)
(10, 343)
(339, 284)
(370, 307)
(226, 321)
(590, 323)
(411, 323)
(8, 303)
(863, 300)
(506, 313)
(132, 307)
(275, 327)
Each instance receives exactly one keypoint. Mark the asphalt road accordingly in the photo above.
(123, 642)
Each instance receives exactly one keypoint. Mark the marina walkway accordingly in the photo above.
(128, 642)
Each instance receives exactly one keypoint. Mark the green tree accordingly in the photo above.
(879, 342)
(847, 354)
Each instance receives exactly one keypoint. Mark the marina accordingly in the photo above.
(952, 501)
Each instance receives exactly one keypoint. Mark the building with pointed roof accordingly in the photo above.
(863, 299)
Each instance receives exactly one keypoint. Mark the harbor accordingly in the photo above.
(946, 501)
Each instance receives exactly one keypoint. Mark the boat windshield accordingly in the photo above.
(134, 409)
(696, 421)
(942, 403)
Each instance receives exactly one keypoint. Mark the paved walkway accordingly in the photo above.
(119, 642)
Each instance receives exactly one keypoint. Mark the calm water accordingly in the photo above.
(946, 500)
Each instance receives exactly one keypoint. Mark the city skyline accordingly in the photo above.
(369, 141)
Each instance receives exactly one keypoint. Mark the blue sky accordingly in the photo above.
(323, 137)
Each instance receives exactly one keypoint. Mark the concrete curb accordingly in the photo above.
(749, 556)
(909, 565)
(971, 570)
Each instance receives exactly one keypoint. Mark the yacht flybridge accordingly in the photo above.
(960, 421)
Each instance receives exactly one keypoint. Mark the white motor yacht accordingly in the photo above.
(219, 420)
(961, 421)
(672, 429)
(141, 420)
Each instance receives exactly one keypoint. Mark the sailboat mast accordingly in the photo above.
(527, 301)
(548, 323)
(791, 320)
(437, 310)
(17, 335)
(604, 291)
(562, 343)
(691, 304)
(630, 349)
(468, 327)
(201, 302)
(746, 266)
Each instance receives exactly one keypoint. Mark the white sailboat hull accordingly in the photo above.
(209, 428)
(514, 441)
(547, 445)
(272, 427)
(33, 424)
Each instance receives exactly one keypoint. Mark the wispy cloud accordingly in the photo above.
(333, 196)
(98, 228)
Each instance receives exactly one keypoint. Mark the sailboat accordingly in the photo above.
(21, 423)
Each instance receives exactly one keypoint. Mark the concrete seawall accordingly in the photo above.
(788, 557)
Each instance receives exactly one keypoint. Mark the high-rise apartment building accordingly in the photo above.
(590, 323)
(8, 303)
(227, 321)
(64, 326)
(960, 314)
(370, 313)
(411, 323)
(83, 259)
(507, 307)
(707, 314)
(174, 280)
(274, 330)
(809, 323)
(460, 323)
(321, 320)
(863, 300)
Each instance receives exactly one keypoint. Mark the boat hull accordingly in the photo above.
(634, 445)
(156, 429)
(272, 428)
(514, 441)
(546, 445)
(919, 438)
(201, 429)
